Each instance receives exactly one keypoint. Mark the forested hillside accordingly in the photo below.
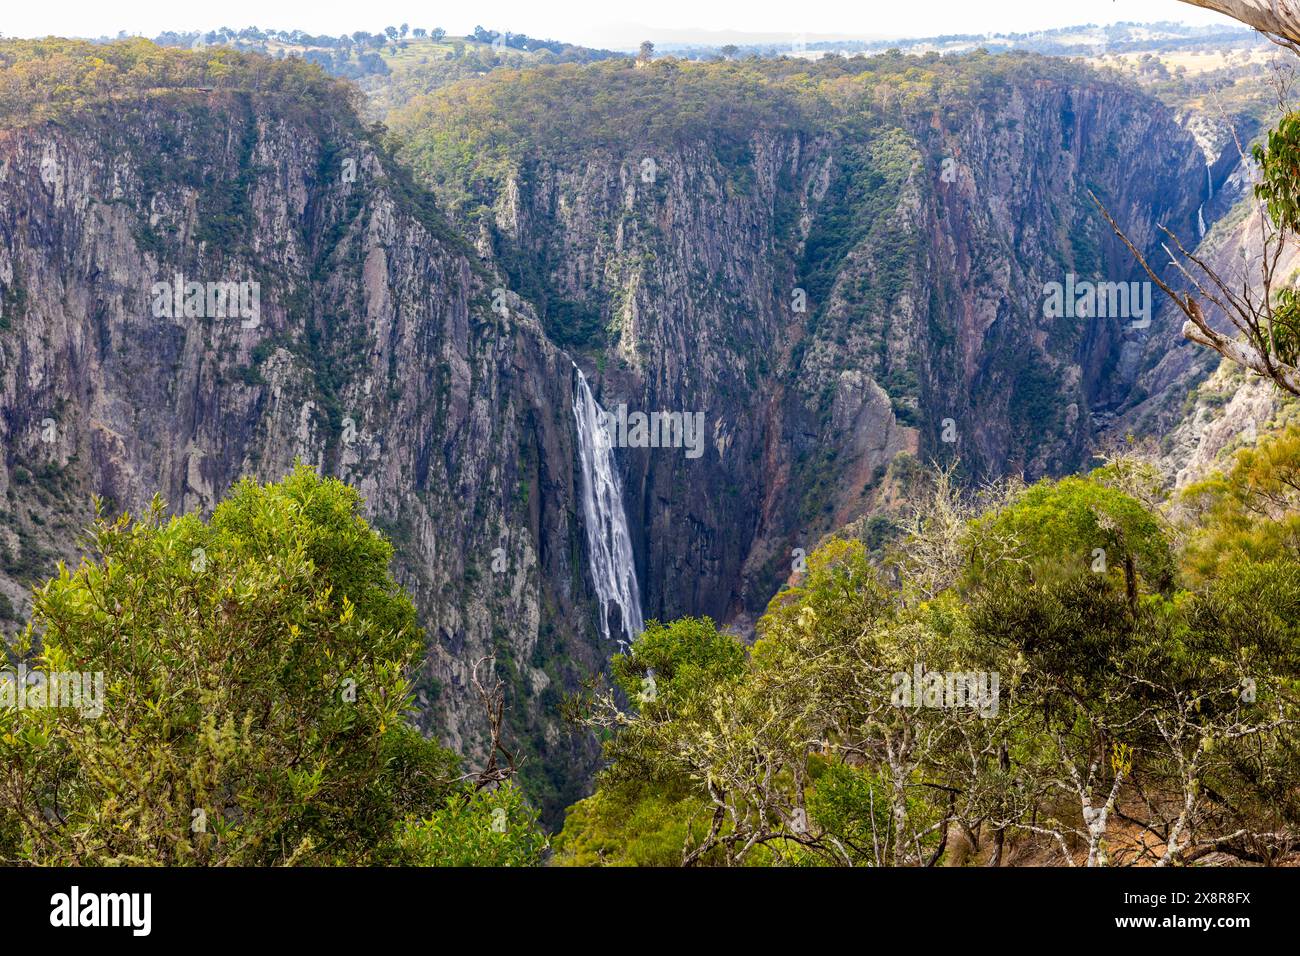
(1082, 671)
(316, 447)
(840, 263)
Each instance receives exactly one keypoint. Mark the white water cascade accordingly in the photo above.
(610, 546)
(1200, 213)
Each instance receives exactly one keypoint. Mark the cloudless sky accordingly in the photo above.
(591, 22)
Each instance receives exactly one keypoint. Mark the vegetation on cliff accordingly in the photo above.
(1137, 703)
(1133, 657)
(254, 702)
(44, 78)
(469, 136)
(1083, 671)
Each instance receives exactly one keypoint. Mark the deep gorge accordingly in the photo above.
(921, 304)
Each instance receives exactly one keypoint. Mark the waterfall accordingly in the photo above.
(1200, 213)
(608, 542)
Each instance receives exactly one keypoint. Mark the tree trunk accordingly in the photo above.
(999, 833)
(1268, 16)
(1130, 583)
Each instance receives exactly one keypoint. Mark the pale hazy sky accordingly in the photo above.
(591, 22)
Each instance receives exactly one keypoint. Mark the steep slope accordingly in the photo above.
(370, 350)
(836, 267)
(1200, 410)
(834, 263)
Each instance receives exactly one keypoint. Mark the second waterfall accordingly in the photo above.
(609, 544)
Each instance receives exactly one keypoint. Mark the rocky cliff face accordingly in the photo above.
(1197, 410)
(374, 356)
(832, 295)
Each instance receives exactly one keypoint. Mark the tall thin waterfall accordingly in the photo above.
(610, 546)
(1200, 213)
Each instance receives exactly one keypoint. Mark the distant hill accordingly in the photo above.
(360, 53)
(1082, 40)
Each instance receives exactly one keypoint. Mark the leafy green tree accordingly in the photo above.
(486, 828)
(254, 696)
(748, 739)
(1059, 527)
(1252, 513)
(632, 825)
(1118, 697)
(676, 662)
(648, 809)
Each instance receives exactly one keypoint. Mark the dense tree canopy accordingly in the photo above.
(41, 78)
(467, 135)
(254, 699)
(1070, 672)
